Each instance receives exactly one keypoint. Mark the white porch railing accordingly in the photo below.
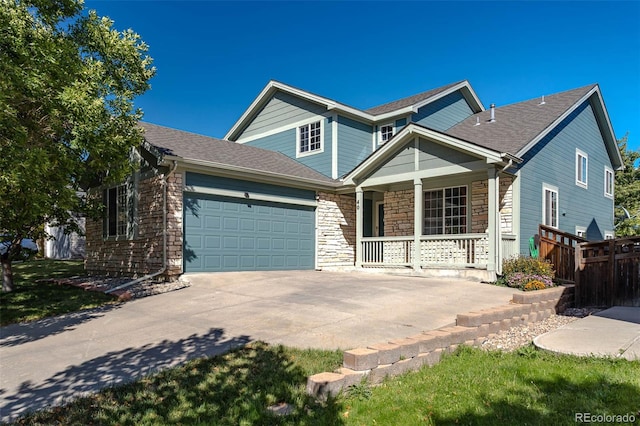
(463, 250)
(509, 246)
(387, 251)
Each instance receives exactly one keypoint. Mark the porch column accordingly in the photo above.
(494, 224)
(417, 223)
(359, 225)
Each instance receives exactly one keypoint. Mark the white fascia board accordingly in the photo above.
(557, 121)
(274, 86)
(610, 133)
(249, 111)
(244, 173)
(412, 130)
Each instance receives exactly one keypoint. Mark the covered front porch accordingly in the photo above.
(433, 203)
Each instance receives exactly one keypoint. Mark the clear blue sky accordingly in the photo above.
(213, 58)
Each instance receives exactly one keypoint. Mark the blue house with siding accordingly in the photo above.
(433, 182)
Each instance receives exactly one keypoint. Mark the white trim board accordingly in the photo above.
(249, 196)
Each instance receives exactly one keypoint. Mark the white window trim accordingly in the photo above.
(580, 183)
(315, 151)
(608, 170)
(581, 230)
(545, 188)
(467, 205)
(609, 235)
(393, 131)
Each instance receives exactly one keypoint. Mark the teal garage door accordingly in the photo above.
(230, 234)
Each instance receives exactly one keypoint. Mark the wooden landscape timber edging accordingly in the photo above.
(387, 359)
(559, 248)
(608, 273)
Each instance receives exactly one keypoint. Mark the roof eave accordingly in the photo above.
(471, 97)
(259, 175)
(608, 134)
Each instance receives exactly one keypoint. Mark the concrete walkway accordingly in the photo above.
(614, 332)
(54, 360)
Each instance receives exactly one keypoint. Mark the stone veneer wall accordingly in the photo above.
(143, 254)
(480, 205)
(398, 213)
(336, 217)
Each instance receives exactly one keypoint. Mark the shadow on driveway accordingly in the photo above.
(17, 334)
(113, 368)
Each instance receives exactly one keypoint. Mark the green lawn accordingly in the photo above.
(32, 300)
(470, 387)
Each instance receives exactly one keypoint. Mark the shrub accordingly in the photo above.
(527, 273)
(520, 280)
(528, 265)
(534, 285)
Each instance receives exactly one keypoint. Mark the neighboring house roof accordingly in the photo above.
(403, 106)
(202, 150)
(519, 126)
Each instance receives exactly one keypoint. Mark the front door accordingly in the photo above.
(379, 221)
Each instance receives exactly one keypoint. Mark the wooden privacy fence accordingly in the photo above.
(559, 248)
(608, 273)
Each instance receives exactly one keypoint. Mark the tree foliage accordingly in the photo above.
(627, 192)
(67, 120)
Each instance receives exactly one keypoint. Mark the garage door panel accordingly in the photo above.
(225, 234)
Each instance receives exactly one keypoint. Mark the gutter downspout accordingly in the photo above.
(164, 238)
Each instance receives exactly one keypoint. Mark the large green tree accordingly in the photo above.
(627, 192)
(67, 119)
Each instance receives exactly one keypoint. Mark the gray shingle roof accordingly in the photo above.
(517, 124)
(191, 146)
(408, 101)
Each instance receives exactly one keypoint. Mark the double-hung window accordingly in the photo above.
(310, 138)
(386, 133)
(445, 211)
(550, 206)
(582, 163)
(609, 179)
(119, 212)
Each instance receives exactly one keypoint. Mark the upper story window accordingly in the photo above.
(582, 163)
(310, 138)
(609, 181)
(445, 211)
(550, 205)
(581, 231)
(386, 133)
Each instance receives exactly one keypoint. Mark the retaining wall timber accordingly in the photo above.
(393, 358)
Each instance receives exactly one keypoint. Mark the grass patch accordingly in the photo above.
(474, 387)
(470, 387)
(32, 300)
(231, 389)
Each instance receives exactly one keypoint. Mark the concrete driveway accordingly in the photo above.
(49, 361)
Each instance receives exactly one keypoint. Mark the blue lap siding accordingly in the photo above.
(553, 162)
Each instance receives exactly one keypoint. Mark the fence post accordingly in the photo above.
(612, 272)
(576, 275)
